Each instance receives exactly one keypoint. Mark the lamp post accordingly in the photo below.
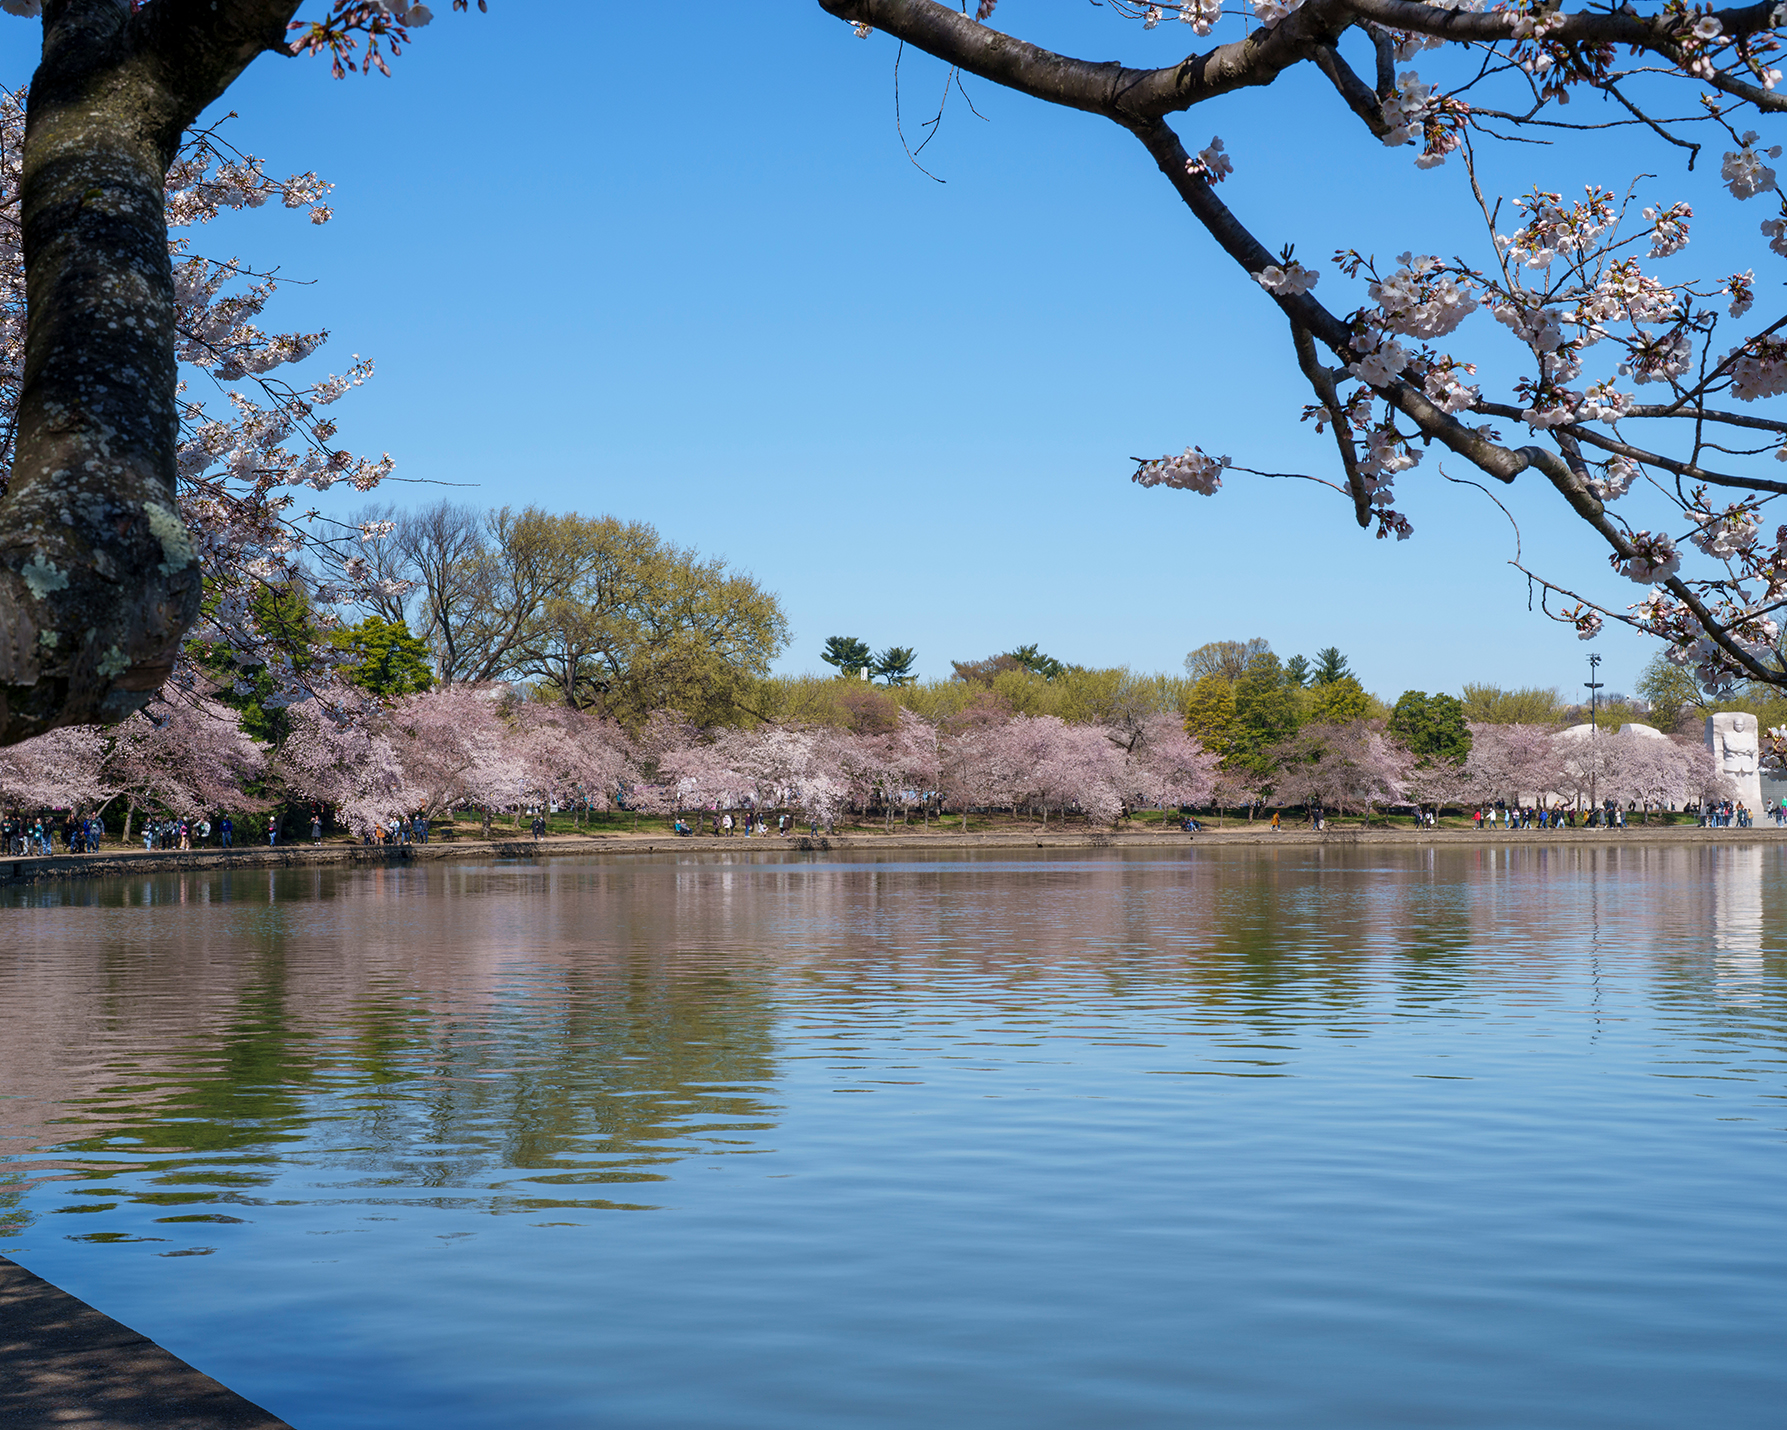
(1594, 688)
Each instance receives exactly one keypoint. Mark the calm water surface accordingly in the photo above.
(1221, 1137)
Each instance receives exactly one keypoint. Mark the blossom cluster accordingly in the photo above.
(1190, 471)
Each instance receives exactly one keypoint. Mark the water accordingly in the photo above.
(1222, 1137)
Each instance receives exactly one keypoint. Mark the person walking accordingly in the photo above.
(1275, 821)
(226, 831)
(272, 830)
(726, 824)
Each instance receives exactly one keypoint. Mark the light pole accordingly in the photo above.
(1594, 687)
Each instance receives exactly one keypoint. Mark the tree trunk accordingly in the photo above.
(99, 579)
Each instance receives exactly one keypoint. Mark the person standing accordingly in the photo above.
(226, 831)
(272, 830)
(316, 825)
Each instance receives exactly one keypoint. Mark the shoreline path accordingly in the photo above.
(126, 863)
(64, 1363)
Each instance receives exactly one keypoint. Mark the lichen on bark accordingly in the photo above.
(98, 578)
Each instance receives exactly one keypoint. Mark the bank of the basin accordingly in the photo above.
(136, 863)
(64, 1363)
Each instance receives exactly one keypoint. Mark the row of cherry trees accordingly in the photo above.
(1534, 764)
(478, 747)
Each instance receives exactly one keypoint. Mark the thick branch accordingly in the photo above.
(1619, 27)
(1618, 448)
(1322, 380)
(1359, 96)
(1107, 88)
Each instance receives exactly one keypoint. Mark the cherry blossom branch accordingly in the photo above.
(1359, 97)
(1109, 89)
(1322, 380)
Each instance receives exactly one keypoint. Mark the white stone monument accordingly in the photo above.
(1732, 737)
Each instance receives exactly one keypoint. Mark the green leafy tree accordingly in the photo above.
(1267, 711)
(1431, 728)
(1491, 705)
(1339, 702)
(894, 665)
(605, 614)
(1330, 665)
(1299, 670)
(1034, 661)
(1675, 698)
(850, 655)
(284, 616)
(384, 657)
(1210, 714)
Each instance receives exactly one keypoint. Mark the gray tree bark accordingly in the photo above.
(98, 578)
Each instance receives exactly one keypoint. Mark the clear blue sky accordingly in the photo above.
(674, 264)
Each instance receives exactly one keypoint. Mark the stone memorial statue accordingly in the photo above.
(1732, 737)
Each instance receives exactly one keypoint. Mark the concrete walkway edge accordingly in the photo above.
(138, 863)
(64, 1363)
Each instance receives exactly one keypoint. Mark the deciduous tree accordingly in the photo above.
(1431, 728)
(1342, 701)
(1227, 660)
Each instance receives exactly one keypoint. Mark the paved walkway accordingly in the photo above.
(64, 1363)
(115, 863)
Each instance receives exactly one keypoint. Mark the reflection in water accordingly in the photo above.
(1737, 910)
(1234, 1136)
(417, 1030)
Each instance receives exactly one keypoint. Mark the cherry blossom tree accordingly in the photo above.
(701, 773)
(1703, 781)
(64, 769)
(571, 756)
(184, 756)
(248, 438)
(814, 770)
(1163, 764)
(336, 753)
(99, 571)
(980, 767)
(1508, 762)
(1656, 773)
(1050, 762)
(1585, 297)
(904, 764)
(455, 751)
(1340, 767)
